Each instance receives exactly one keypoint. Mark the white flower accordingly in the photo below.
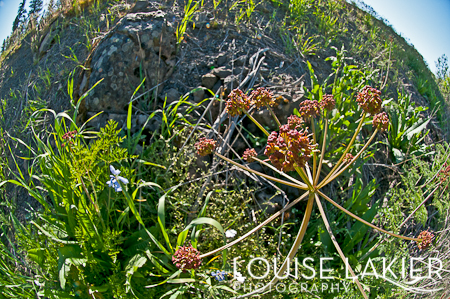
(113, 179)
(239, 277)
(230, 233)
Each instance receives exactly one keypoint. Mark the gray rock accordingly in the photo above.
(221, 72)
(209, 80)
(221, 59)
(47, 41)
(127, 56)
(172, 95)
(231, 82)
(140, 6)
(199, 94)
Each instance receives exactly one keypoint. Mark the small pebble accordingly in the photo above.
(258, 36)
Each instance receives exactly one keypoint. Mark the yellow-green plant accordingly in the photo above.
(292, 149)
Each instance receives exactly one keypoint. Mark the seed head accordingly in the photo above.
(237, 102)
(249, 154)
(187, 258)
(426, 237)
(381, 121)
(205, 146)
(445, 172)
(262, 97)
(309, 108)
(289, 148)
(369, 100)
(327, 102)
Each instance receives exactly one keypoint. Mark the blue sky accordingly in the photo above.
(425, 23)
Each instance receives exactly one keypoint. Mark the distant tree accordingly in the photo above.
(442, 67)
(20, 18)
(4, 45)
(35, 7)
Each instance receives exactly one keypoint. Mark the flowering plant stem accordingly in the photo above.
(294, 248)
(257, 123)
(274, 116)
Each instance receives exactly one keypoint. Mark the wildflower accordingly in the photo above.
(262, 97)
(445, 172)
(348, 158)
(369, 100)
(237, 103)
(69, 135)
(113, 179)
(426, 237)
(187, 258)
(230, 233)
(205, 146)
(289, 148)
(249, 154)
(239, 277)
(219, 275)
(294, 122)
(327, 102)
(309, 108)
(381, 121)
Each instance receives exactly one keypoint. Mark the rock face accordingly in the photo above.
(138, 48)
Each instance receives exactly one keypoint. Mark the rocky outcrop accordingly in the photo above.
(140, 46)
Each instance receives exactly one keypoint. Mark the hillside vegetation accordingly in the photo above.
(145, 146)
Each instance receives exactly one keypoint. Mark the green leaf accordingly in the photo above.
(162, 220)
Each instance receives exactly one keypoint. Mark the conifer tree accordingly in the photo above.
(35, 7)
(20, 15)
(4, 46)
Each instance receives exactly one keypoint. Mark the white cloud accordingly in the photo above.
(1, 3)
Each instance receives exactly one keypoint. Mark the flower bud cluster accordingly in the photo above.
(237, 103)
(294, 122)
(427, 238)
(309, 108)
(328, 102)
(262, 97)
(381, 121)
(249, 154)
(205, 146)
(69, 135)
(289, 148)
(187, 258)
(369, 100)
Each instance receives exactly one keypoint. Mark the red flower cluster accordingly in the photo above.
(369, 100)
(381, 121)
(237, 102)
(445, 172)
(187, 258)
(69, 135)
(328, 102)
(289, 148)
(205, 146)
(262, 97)
(426, 237)
(249, 154)
(309, 108)
(294, 122)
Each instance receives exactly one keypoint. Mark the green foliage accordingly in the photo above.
(407, 129)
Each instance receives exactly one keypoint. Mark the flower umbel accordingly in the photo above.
(238, 102)
(327, 102)
(249, 154)
(381, 121)
(309, 108)
(219, 275)
(187, 258)
(262, 97)
(348, 158)
(426, 237)
(69, 135)
(289, 148)
(294, 122)
(369, 100)
(205, 146)
(113, 179)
